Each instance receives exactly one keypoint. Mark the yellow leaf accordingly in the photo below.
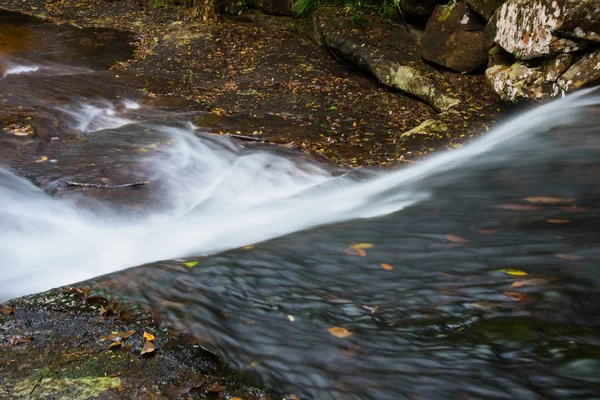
(386, 266)
(190, 263)
(547, 200)
(340, 332)
(248, 247)
(514, 272)
(355, 252)
(361, 246)
(148, 336)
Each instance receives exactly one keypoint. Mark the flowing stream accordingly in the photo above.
(473, 274)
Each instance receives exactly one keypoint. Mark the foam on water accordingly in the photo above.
(219, 196)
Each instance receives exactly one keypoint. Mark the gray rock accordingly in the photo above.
(454, 38)
(583, 73)
(527, 28)
(485, 8)
(388, 52)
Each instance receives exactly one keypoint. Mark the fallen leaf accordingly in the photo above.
(548, 200)
(514, 272)
(456, 239)
(361, 246)
(6, 310)
(517, 207)
(291, 318)
(570, 257)
(83, 292)
(117, 336)
(148, 348)
(253, 364)
(484, 305)
(517, 296)
(530, 282)
(340, 332)
(558, 221)
(215, 387)
(355, 252)
(386, 266)
(574, 209)
(148, 336)
(488, 231)
(248, 247)
(190, 263)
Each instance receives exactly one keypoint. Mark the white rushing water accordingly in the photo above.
(219, 196)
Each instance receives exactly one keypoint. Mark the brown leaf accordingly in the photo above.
(488, 231)
(516, 295)
(456, 239)
(215, 387)
(570, 257)
(6, 310)
(83, 292)
(574, 209)
(124, 315)
(148, 348)
(548, 200)
(517, 207)
(386, 266)
(340, 332)
(558, 221)
(530, 282)
(117, 337)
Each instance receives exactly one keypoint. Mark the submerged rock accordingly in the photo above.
(454, 38)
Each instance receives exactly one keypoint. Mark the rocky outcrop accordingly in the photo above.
(390, 53)
(485, 8)
(454, 38)
(273, 7)
(419, 7)
(554, 43)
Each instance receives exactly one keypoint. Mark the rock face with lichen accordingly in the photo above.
(555, 46)
(454, 38)
(388, 52)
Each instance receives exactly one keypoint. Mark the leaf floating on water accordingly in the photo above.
(148, 336)
(248, 247)
(253, 364)
(42, 159)
(340, 332)
(456, 239)
(361, 246)
(190, 263)
(530, 282)
(558, 221)
(484, 305)
(514, 272)
(570, 257)
(548, 200)
(291, 318)
(517, 207)
(517, 296)
(488, 231)
(117, 336)
(574, 209)
(148, 348)
(386, 266)
(355, 252)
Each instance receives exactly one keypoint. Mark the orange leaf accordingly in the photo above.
(574, 209)
(558, 221)
(148, 336)
(117, 336)
(488, 231)
(355, 252)
(517, 296)
(530, 282)
(340, 332)
(386, 266)
(456, 239)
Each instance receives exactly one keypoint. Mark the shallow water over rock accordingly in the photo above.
(473, 274)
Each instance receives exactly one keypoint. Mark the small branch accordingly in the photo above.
(95, 185)
(249, 138)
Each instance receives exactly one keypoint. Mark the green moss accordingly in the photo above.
(75, 389)
(446, 12)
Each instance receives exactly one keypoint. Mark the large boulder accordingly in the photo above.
(485, 8)
(389, 52)
(455, 38)
(556, 76)
(419, 7)
(274, 7)
(536, 28)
